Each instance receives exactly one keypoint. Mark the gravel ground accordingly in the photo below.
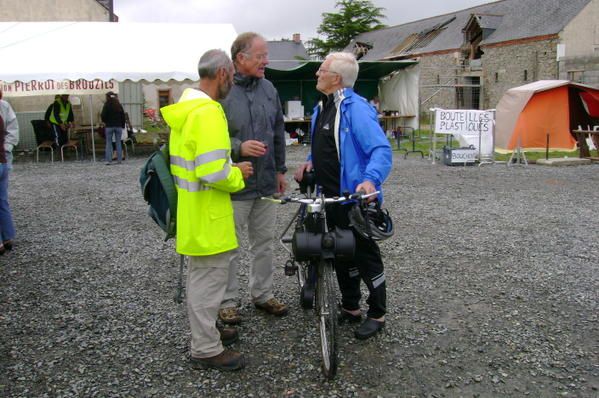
(492, 291)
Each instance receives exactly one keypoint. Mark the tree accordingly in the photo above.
(354, 17)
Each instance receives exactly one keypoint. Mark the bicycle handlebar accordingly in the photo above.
(319, 200)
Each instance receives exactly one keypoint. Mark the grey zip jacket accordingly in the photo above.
(254, 112)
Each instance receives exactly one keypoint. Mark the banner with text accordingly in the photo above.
(470, 127)
(462, 121)
(53, 87)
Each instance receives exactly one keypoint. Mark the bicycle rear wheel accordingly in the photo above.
(327, 317)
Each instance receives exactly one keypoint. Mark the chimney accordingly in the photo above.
(297, 38)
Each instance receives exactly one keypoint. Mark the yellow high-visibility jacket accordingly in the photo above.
(65, 110)
(200, 157)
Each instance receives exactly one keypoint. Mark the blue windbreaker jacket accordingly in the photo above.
(364, 151)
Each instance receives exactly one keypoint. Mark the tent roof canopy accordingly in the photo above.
(542, 85)
(522, 115)
(369, 70)
(106, 50)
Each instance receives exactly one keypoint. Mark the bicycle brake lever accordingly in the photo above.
(357, 195)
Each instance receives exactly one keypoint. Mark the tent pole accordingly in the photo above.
(91, 122)
(487, 159)
(480, 141)
(433, 133)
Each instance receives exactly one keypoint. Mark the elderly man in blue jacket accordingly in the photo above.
(350, 153)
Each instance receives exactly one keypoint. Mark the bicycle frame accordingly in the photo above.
(315, 248)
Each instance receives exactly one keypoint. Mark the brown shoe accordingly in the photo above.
(273, 306)
(229, 315)
(226, 360)
(228, 336)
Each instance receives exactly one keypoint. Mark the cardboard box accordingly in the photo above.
(294, 110)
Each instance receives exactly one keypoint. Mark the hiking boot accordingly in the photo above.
(369, 328)
(228, 336)
(229, 315)
(273, 307)
(226, 360)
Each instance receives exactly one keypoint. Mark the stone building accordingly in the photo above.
(469, 58)
(63, 10)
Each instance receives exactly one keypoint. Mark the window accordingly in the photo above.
(525, 75)
(576, 76)
(438, 79)
(496, 77)
(468, 94)
(164, 97)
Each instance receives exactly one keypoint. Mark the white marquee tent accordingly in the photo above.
(34, 52)
(107, 50)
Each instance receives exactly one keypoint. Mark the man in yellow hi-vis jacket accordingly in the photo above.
(200, 156)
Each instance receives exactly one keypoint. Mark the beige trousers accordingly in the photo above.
(257, 218)
(206, 284)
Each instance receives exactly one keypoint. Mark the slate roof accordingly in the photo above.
(281, 54)
(104, 3)
(511, 19)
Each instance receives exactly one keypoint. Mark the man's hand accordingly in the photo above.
(367, 187)
(246, 169)
(253, 148)
(299, 173)
(281, 183)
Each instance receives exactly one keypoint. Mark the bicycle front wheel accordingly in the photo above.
(327, 317)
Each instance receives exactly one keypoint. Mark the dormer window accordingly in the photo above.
(478, 28)
(361, 48)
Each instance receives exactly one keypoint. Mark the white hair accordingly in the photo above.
(211, 62)
(346, 65)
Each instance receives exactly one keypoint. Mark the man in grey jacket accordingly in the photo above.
(257, 134)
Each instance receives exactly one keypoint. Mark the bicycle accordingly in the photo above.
(315, 248)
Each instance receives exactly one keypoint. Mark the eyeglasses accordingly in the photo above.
(259, 57)
(320, 70)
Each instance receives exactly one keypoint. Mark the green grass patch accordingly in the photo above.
(423, 143)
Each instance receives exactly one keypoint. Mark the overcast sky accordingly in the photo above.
(274, 19)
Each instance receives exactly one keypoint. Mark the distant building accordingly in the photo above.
(281, 52)
(48, 11)
(469, 58)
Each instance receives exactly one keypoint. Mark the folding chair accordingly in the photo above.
(43, 137)
(69, 144)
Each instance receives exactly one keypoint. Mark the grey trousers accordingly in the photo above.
(257, 218)
(206, 284)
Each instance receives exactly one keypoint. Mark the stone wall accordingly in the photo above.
(580, 70)
(52, 10)
(438, 70)
(514, 65)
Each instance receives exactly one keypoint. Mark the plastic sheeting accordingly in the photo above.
(107, 50)
(400, 92)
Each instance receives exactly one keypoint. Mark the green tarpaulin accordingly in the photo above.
(300, 83)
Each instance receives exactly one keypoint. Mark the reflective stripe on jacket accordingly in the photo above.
(63, 115)
(200, 157)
